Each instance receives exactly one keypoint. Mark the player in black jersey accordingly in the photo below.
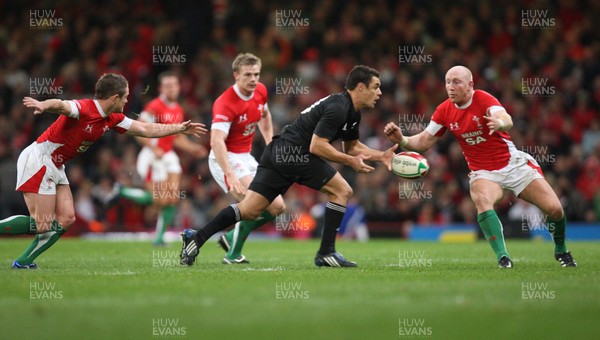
(299, 155)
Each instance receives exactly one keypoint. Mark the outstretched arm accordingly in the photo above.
(154, 130)
(499, 120)
(355, 147)
(420, 142)
(57, 106)
(320, 147)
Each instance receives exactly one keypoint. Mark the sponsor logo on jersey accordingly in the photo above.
(221, 117)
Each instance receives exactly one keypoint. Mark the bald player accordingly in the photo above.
(481, 124)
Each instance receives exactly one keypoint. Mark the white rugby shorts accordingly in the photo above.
(522, 169)
(36, 172)
(243, 164)
(153, 169)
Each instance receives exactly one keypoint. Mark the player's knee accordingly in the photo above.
(345, 193)
(555, 212)
(483, 202)
(277, 208)
(66, 221)
(250, 214)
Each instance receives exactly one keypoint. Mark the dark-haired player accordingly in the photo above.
(299, 155)
(41, 166)
(480, 125)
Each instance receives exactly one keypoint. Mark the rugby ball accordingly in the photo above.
(409, 164)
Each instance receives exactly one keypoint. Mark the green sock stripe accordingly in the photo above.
(240, 233)
(139, 196)
(160, 227)
(18, 225)
(492, 229)
(40, 244)
(235, 232)
(557, 230)
(168, 213)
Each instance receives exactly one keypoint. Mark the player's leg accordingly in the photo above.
(485, 193)
(249, 208)
(54, 214)
(144, 166)
(540, 194)
(339, 192)
(31, 174)
(165, 198)
(238, 235)
(265, 187)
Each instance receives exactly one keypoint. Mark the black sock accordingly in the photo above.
(334, 213)
(221, 221)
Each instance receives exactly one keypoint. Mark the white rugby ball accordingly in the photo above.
(408, 164)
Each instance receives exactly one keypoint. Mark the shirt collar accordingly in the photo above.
(240, 94)
(104, 115)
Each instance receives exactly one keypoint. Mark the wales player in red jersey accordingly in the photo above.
(41, 166)
(236, 114)
(481, 124)
(157, 162)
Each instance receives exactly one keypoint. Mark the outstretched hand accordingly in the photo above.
(393, 133)
(494, 124)
(359, 165)
(388, 155)
(35, 104)
(194, 129)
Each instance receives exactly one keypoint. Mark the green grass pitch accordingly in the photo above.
(401, 290)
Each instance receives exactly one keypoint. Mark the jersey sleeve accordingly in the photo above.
(222, 115)
(120, 122)
(490, 102)
(75, 106)
(261, 89)
(333, 117)
(437, 124)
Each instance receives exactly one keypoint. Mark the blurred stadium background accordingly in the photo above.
(541, 59)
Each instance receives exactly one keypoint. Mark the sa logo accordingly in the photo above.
(475, 140)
